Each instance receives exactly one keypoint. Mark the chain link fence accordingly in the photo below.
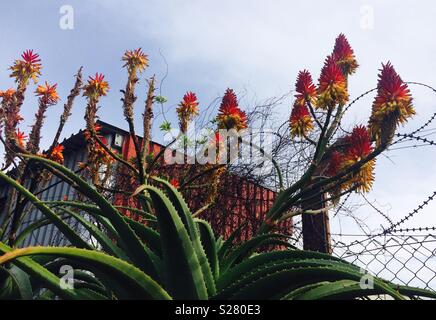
(406, 258)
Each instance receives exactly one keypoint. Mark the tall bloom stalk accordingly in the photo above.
(7, 97)
(48, 96)
(300, 122)
(23, 70)
(95, 88)
(230, 117)
(147, 117)
(75, 91)
(187, 110)
(135, 61)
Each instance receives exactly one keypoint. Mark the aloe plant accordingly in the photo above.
(174, 256)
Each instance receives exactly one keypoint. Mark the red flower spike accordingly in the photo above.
(57, 154)
(300, 122)
(96, 87)
(332, 88)
(392, 104)
(20, 138)
(344, 55)
(305, 88)
(187, 109)
(175, 183)
(28, 67)
(229, 114)
(335, 162)
(358, 144)
(48, 94)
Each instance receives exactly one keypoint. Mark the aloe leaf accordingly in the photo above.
(133, 247)
(107, 244)
(241, 252)
(36, 271)
(20, 283)
(69, 233)
(227, 245)
(334, 289)
(183, 275)
(187, 219)
(209, 244)
(136, 282)
(29, 229)
(267, 287)
(149, 236)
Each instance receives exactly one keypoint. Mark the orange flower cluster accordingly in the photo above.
(331, 91)
(20, 138)
(230, 116)
(7, 94)
(344, 55)
(28, 67)
(97, 156)
(96, 87)
(97, 153)
(306, 90)
(101, 156)
(175, 183)
(57, 154)
(47, 94)
(87, 134)
(187, 110)
(300, 122)
(357, 146)
(135, 60)
(332, 87)
(392, 105)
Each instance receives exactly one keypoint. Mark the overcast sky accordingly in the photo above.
(255, 47)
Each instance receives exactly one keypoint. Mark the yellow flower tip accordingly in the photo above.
(357, 146)
(300, 122)
(7, 94)
(332, 88)
(20, 138)
(57, 154)
(187, 109)
(392, 105)
(135, 59)
(26, 68)
(344, 55)
(230, 116)
(47, 94)
(96, 86)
